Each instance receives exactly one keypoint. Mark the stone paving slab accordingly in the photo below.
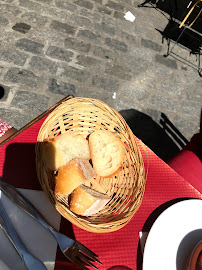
(52, 48)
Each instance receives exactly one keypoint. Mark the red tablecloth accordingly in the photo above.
(121, 248)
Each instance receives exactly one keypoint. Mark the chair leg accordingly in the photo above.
(199, 65)
(176, 42)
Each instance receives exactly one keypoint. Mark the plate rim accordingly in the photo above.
(159, 218)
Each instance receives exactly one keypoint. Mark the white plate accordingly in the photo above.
(38, 240)
(173, 235)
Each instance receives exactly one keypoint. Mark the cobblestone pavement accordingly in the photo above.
(52, 48)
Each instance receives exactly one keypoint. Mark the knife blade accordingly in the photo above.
(17, 198)
(65, 243)
(30, 261)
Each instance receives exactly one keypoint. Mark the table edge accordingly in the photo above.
(49, 110)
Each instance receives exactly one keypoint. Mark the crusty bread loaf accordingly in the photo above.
(72, 175)
(94, 184)
(58, 151)
(107, 152)
(86, 201)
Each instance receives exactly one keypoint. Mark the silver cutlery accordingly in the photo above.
(30, 261)
(76, 252)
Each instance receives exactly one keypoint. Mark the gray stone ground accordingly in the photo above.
(52, 48)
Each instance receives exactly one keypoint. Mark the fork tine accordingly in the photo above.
(88, 252)
(86, 259)
(79, 264)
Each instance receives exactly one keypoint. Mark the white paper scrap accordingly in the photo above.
(114, 95)
(129, 16)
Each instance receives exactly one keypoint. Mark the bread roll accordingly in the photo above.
(107, 152)
(86, 201)
(94, 184)
(58, 151)
(72, 175)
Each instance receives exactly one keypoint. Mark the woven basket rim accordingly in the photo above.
(136, 158)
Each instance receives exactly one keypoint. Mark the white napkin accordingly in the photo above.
(38, 240)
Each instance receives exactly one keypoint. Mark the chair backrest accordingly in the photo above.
(190, 12)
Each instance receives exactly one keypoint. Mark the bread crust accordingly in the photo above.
(72, 175)
(58, 151)
(70, 154)
(107, 152)
(80, 201)
(86, 201)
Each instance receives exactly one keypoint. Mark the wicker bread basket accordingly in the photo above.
(83, 116)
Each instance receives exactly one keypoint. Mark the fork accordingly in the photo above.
(30, 261)
(73, 250)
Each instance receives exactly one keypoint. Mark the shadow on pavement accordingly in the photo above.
(188, 38)
(164, 139)
(1, 91)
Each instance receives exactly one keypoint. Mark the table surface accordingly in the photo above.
(164, 187)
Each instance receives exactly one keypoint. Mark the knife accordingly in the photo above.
(17, 198)
(76, 252)
(30, 261)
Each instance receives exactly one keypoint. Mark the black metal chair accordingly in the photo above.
(187, 33)
(184, 28)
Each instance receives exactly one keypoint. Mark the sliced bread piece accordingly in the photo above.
(92, 186)
(86, 201)
(72, 175)
(107, 152)
(58, 151)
